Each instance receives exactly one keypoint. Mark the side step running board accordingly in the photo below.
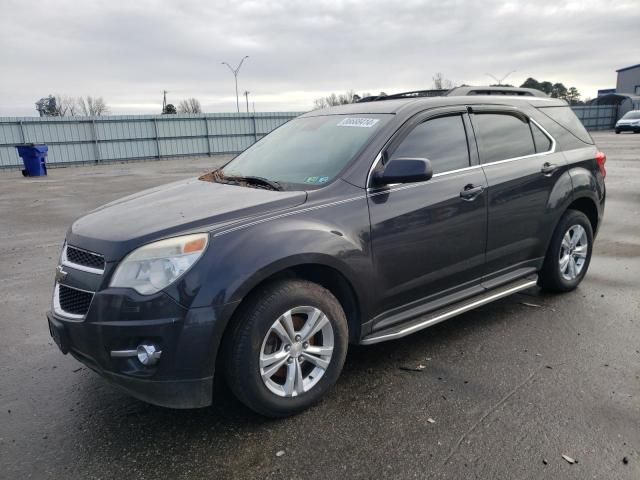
(438, 316)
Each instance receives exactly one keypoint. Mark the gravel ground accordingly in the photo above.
(507, 389)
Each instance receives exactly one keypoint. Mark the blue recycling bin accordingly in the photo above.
(34, 158)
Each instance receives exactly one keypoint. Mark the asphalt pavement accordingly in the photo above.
(501, 392)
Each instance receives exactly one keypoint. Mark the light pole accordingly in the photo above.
(235, 72)
(246, 96)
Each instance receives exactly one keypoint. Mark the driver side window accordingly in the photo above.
(441, 140)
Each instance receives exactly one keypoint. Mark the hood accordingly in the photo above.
(627, 121)
(183, 206)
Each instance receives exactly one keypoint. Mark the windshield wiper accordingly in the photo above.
(273, 185)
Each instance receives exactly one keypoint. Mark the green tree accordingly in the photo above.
(48, 107)
(170, 109)
(546, 87)
(531, 83)
(573, 96)
(555, 90)
(558, 90)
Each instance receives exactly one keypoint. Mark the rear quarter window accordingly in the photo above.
(565, 117)
(543, 143)
(502, 136)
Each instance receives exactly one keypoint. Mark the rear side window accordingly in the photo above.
(542, 142)
(441, 140)
(568, 120)
(502, 136)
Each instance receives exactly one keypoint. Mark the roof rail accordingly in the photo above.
(459, 91)
(412, 94)
(495, 90)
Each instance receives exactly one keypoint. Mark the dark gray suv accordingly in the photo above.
(351, 225)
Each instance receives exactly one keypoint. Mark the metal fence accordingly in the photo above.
(112, 138)
(597, 117)
(132, 137)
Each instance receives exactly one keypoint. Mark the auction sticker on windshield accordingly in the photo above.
(358, 122)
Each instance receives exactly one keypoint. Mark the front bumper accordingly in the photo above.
(628, 128)
(121, 319)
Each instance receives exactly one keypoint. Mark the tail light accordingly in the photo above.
(601, 158)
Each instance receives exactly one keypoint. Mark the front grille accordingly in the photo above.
(84, 258)
(74, 301)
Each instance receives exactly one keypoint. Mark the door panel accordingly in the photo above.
(519, 189)
(426, 240)
(518, 202)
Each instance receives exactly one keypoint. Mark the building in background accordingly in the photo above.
(613, 103)
(606, 91)
(629, 80)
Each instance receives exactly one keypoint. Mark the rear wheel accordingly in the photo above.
(569, 253)
(287, 348)
(617, 131)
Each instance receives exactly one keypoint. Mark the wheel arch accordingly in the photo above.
(589, 207)
(317, 270)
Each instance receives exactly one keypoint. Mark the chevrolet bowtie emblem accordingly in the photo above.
(60, 274)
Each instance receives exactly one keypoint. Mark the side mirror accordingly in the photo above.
(404, 170)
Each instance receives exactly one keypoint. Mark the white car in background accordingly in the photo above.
(630, 122)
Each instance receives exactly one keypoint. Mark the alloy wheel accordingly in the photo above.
(296, 351)
(573, 252)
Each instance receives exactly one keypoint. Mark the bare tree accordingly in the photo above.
(342, 99)
(442, 83)
(189, 105)
(93, 106)
(66, 106)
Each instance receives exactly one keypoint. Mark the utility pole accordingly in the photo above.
(164, 100)
(235, 72)
(246, 96)
(500, 80)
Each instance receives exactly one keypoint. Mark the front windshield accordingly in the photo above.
(633, 115)
(306, 152)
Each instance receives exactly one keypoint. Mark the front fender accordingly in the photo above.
(335, 237)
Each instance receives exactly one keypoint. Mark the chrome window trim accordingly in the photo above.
(512, 159)
(437, 114)
(65, 261)
(404, 186)
(57, 308)
(497, 162)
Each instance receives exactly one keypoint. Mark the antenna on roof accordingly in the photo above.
(500, 80)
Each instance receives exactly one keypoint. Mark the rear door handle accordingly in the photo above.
(471, 192)
(548, 168)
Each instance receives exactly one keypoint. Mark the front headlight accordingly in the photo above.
(153, 267)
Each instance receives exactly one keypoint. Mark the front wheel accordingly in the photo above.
(287, 348)
(569, 253)
(617, 132)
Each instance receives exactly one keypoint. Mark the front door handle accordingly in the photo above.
(548, 168)
(471, 192)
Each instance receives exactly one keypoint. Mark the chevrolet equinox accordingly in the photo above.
(355, 224)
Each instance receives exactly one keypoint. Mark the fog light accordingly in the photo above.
(148, 354)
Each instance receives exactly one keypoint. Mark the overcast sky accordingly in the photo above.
(130, 51)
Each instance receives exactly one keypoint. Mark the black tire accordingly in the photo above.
(551, 277)
(251, 325)
(617, 132)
